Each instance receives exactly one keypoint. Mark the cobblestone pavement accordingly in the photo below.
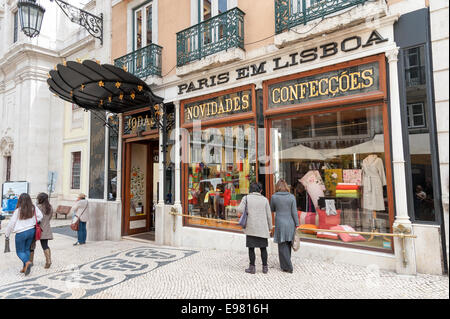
(133, 269)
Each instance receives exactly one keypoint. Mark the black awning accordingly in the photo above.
(100, 87)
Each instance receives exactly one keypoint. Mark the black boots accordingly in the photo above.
(251, 269)
(265, 269)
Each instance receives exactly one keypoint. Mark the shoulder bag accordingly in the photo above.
(38, 233)
(75, 226)
(296, 242)
(243, 219)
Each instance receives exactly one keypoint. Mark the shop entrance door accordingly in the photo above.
(140, 186)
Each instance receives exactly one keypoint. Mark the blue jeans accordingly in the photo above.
(82, 233)
(23, 244)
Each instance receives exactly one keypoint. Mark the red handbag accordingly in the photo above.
(38, 233)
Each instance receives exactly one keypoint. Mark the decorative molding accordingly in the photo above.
(392, 54)
(6, 146)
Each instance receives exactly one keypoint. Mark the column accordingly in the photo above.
(398, 163)
(160, 216)
(177, 156)
(177, 220)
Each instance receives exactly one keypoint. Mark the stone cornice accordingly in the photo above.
(17, 51)
(77, 46)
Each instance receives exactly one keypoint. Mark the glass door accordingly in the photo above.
(139, 187)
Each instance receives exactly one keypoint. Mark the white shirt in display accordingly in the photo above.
(17, 225)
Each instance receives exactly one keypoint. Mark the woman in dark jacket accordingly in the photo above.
(46, 235)
(284, 205)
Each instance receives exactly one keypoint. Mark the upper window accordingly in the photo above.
(143, 26)
(416, 115)
(76, 170)
(414, 67)
(211, 8)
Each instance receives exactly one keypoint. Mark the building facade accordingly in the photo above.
(345, 100)
(41, 135)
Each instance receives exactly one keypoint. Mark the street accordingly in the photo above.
(142, 270)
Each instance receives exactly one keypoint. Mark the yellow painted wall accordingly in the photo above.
(75, 139)
(173, 16)
(119, 30)
(259, 23)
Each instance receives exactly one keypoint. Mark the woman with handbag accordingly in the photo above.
(258, 226)
(80, 213)
(24, 222)
(284, 205)
(44, 205)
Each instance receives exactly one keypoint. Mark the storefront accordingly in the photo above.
(326, 133)
(328, 137)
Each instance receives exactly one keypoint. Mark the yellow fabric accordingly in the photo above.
(346, 191)
(302, 227)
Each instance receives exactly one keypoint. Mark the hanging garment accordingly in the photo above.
(332, 178)
(314, 186)
(374, 179)
(330, 208)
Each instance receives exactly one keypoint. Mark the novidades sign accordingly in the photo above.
(279, 63)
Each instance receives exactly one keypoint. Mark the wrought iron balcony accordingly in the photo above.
(291, 13)
(216, 34)
(142, 62)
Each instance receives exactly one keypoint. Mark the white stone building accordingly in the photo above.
(38, 131)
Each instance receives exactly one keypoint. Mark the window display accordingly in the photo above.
(335, 165)
(222, 165)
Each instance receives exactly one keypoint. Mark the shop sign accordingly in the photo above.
(136, 123)
(353, 80)
(219, 107)
(309, 55)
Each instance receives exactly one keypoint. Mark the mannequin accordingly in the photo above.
(373, 181)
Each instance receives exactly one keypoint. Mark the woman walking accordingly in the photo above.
(259, 225)
(284, 205)
(23, 223)
(44, 205)
(81, 212)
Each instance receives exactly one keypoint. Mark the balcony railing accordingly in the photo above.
(291, 13)
(216, 34)
(142, 62)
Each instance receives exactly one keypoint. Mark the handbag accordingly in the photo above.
(75, 226)
(7, 250)
(296, 242)
(243, 219)
(38, 233)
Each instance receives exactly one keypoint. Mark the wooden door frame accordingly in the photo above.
(152, 142)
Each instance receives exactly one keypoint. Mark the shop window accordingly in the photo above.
(417, 114)
(221, 168)
(76, 170)
(112, 157)
(335, 166)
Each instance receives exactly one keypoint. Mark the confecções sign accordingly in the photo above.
(309, 55)
(358, 79)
